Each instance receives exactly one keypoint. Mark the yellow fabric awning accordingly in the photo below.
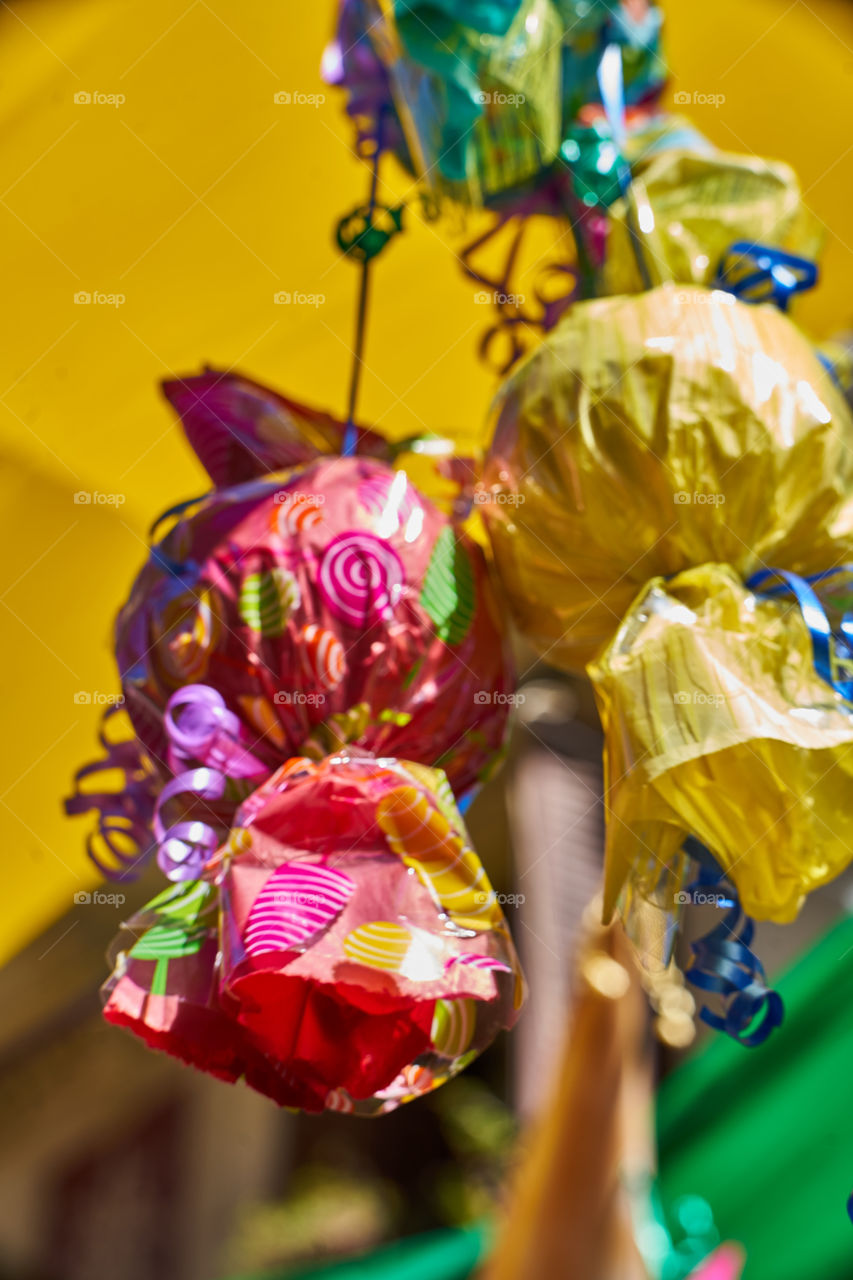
(185, 197)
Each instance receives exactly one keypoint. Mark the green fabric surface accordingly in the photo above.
(440, 1255)
(766, 1134)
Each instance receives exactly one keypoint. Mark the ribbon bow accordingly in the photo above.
(723, 962)
(200, 728)
(833, 651)
(760, 273)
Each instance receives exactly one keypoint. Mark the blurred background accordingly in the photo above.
(148, 168)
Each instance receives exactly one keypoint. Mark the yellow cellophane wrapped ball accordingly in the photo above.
(693, 206)
(651, 433)
(718, 726)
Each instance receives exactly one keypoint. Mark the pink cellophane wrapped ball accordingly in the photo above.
(363, 947)
(345, 950)
(329, 605)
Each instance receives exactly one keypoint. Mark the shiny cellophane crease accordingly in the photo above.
(696, 205)
(651, 433)
(717, 725)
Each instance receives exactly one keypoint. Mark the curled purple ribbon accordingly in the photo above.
(121, 842)
(185, 846)
(200, 729)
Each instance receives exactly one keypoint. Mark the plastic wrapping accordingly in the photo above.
(594, 159)
(363, 956)
(652, 433)
(241, 430)
(718, 726)
(693, 206)
(327, 606)
(487, 92)
(164, 986)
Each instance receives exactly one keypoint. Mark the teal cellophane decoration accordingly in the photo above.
(593, 157)
(487, 92)
(638, 38)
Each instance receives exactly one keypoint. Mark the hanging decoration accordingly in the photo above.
(313, 663)
(666, 472)
(314, 668)
(343, 951)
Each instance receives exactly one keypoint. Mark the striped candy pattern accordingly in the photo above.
(448, 594)
(323, 655)
(479, 962)
(259, 713)
(295, 903)
(361, 578)
(382, 944)
(420, 834)
(453, 1026)
(267, 599)
(412, 1082)
(435, 780)
(189, 633)
(339, 1100)
(301, 511)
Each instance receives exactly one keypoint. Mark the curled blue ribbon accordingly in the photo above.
(724, 964)
(760, 273)
(833, 651)
(158, 555)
